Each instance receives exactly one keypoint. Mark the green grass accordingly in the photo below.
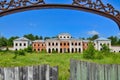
(61, 60)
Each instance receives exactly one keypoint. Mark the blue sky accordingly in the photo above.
(50, 22)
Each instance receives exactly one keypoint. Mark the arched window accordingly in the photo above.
(76, 44)
(52, 44)
(72, 43)
(79, 50)
(56, 44)
(49, 50)
(20, 44)
(60, 44)
(72, 50)
(49, 43)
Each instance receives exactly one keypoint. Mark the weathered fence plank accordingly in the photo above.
(82, 70)
(1, 74)
(43, 72)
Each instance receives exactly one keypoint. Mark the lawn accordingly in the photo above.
(61, 60)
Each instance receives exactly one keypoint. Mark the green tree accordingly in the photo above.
(46, 38)
(93, 37)
(30, 36)
(3, 41)
(89, 53)
(114, 40)
(105, 49)
(10, 40)
(41, 38)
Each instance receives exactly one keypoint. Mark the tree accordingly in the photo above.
(90, 51)
(30, 36)
(105, 49)
(93, 37)
(46, 38)
(41, 38)
(114, 40)
(10, 40)
(3, 41)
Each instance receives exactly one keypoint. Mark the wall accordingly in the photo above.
(81, 70)
(43, 72)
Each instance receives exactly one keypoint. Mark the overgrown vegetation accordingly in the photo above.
(92, 53)
(17, 58)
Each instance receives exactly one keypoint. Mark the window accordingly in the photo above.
(79, 44)
(34, 44)
(79, 50)
(72, 44)
(64, 44)
(16, 49)
(60, 36)
(64, 36)
(75, 44)
(24, 44)
(101, 44)
(38, 49)
(16, 44)
(49, 44)
(42, 45)
(52, 44)
(20, 44)
(68, 44)
(38, 44)
(67, 36)
(56, 44)
(60, 44)
(75, 49)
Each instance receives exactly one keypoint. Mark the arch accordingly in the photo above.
(11, 7)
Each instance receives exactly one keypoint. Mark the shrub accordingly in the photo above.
(105, 49)
(89, 53)
(99, 55)
(28, 49)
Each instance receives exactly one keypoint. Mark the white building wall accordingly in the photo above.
(115, 49)
(76, 46)
(18, 46)
(99, 43)
(51, 47)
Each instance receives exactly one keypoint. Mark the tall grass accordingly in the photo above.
(60, 60)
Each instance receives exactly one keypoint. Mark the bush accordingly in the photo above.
(105, 49)
(89, 53)
(20, 52)
(28, 49)
(43, 51)
(99, 55)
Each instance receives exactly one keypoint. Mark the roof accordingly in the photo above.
(38, 41)
(102, 39)
(22, 39)
(64, 34)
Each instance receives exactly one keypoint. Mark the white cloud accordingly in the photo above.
(32, 24)
(93, 32)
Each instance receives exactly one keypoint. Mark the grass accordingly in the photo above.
(61, 60)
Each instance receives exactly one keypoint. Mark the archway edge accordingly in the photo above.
(60, 6)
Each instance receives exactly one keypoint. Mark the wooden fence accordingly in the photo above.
(42, 72)
(82, 70)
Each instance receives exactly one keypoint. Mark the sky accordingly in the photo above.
(51, 22)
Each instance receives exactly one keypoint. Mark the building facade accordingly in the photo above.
(38, 45)
(64, 43)
(21, 43)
